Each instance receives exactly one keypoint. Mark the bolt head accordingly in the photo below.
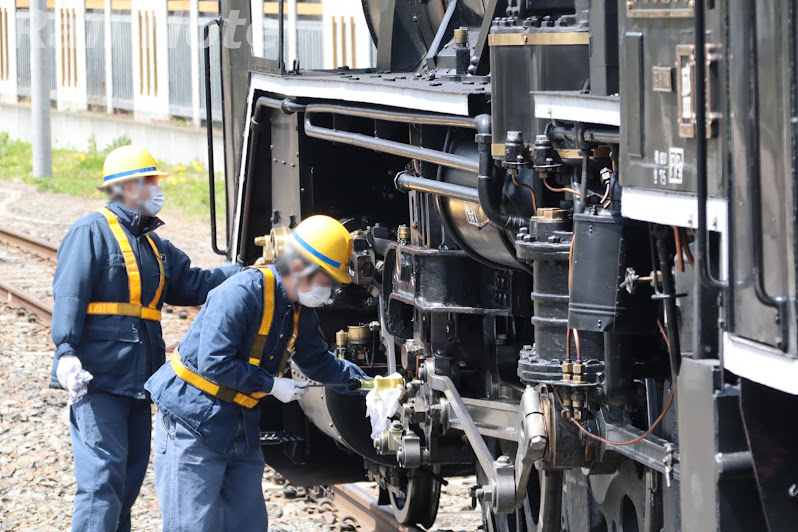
(537, 443)
(504, 461)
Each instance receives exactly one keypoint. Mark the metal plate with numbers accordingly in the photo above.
(659, 8)
(657, 86)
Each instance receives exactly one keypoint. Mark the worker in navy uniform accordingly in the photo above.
(114, 274)
(208, 461)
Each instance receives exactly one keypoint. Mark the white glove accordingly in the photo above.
(381, 404)
(287, 390)
(73, 377)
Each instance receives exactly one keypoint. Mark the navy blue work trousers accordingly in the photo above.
(111, 446)
(203, 490)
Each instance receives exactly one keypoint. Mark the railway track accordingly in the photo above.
(16, 296)
(26, 277)
(37, 246)
(359, 511)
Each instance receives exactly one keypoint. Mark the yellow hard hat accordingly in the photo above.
(324, 241)
(127, 163)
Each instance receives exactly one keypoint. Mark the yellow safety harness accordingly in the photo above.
(255, 353)
(134, 308)
(222, 392)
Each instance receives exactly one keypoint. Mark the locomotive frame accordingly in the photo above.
(575, 227)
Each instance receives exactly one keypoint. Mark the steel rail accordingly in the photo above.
(15, 297)
(352, 502)
(47, 251)
(37, 246)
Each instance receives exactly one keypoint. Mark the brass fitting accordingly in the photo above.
(567, 370)
(577, 400)
(359, 335)
(403, 233)
(461, 36)
(551, 214)
(578, 375)
(341, 338)
(341, 343)
(272, 244)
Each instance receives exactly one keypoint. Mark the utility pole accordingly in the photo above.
(40, 89)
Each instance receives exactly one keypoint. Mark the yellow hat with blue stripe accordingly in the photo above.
(127, 163)
(325, 242)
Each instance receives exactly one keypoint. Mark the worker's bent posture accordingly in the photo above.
(208, 462)
(113, 275)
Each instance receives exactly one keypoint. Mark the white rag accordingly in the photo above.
(381, 404)
(79, 386)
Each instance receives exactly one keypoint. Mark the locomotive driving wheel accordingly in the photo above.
(527, 517)
(628, 499)
(417, 504)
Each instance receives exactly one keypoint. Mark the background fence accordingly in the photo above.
(155, 46)
(95, 58)
(122, 62)
(23, 53)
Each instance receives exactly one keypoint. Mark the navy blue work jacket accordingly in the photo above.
(217, 348)
(121, 352)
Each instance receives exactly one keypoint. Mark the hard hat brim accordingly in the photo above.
(339, 274)
(131, 177)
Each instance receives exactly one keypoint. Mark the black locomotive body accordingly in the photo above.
(575, 238)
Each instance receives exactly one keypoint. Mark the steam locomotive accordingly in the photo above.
(575, 238)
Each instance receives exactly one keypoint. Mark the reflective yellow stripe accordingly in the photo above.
(292, 341)
(134, 308)
(256, 351)
(133, 274)
(150, 314)
(289, 348)
(124, 309)
(222, 392)
(268, 302)
(158, 292)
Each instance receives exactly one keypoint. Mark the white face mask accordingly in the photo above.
(316, 297)
(153, 206)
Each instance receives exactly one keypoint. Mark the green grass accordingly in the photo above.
(79, 173)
